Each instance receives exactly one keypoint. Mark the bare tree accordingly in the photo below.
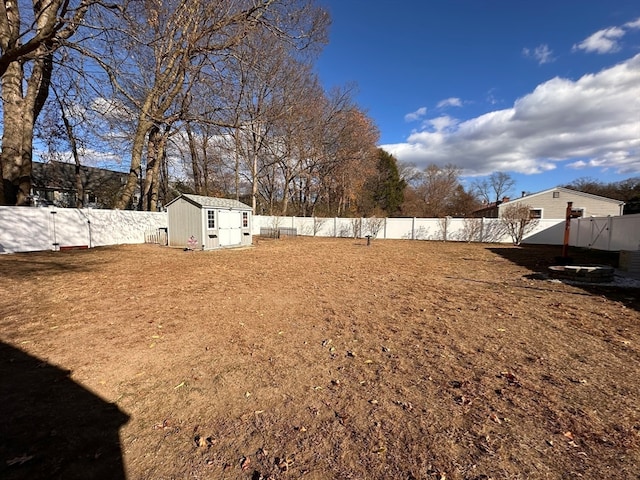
(164, 48)
(517, 221)
(494, 188)
(434, 193)
(30, 33)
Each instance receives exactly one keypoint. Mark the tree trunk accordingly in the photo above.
(74, 152)
(195, 168)
(136, 162)
(19, 115)
(155, 156)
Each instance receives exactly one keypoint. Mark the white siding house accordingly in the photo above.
(212, 222)
(552, 204)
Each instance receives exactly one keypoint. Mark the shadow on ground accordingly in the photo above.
(539, 258)
(21, 265)
(51, 427)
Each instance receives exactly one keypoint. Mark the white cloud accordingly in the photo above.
(542, 54)
(445, 123)
(592, 121)
(415, 116)
(603, 41)
(634, 24)
(450, 102)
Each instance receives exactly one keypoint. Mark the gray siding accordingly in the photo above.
(185, 220)
(188, 215)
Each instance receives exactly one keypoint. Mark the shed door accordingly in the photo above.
(229, 227)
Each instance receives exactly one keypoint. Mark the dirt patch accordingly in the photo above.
(315, 358)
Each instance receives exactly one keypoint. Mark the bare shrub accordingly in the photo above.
(356, 227)
(517, 221)
(443, 224)
(472, 230)
(318, 223)
(373, 225)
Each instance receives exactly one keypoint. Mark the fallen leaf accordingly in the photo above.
(244, 463)
(284, 463)
(180, 385)
(569, 435)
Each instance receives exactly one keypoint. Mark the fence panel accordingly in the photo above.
(25, 229)
(606, 233)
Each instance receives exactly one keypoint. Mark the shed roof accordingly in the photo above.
(213, 202)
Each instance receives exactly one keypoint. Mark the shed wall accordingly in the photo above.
(184, 220)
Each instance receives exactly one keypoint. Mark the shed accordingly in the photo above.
(213, 222)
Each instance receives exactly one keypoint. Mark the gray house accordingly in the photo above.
(212, 222)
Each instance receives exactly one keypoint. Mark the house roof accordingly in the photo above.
(568, 191)
(62, 176)
(212, 202)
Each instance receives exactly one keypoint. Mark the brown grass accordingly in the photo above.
(315, 358)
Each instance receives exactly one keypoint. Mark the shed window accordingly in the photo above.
(556, 194)
(245, 219)
(535, 213)
(211, 219)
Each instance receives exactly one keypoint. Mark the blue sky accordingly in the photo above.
(547, 91)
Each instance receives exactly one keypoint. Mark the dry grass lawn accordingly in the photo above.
(315, 358)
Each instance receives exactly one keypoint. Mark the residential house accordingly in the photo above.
(552, 204)
(55, 183)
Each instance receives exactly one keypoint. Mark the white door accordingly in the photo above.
(229, 227)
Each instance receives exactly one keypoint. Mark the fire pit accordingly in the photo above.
(583, 273)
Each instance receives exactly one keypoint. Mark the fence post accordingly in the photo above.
(385, 228)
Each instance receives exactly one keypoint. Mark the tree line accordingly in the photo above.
(213, 97)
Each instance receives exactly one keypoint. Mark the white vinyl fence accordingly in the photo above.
(445, 229)
(28, 229)
(24, 229)
(607, 233)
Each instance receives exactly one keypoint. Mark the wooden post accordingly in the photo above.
(567, 227)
